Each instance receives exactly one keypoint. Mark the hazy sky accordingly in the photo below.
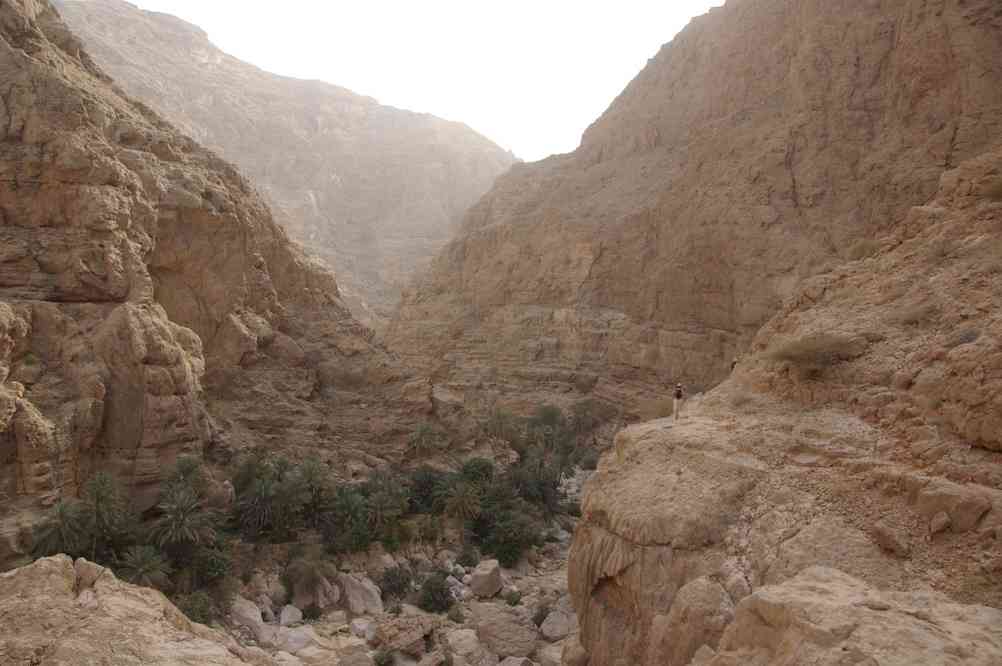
(529, 74)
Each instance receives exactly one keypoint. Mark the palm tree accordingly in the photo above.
(256, 506)
(385, 508)
(315, 479)
(64, 531)
(184, 524)
(424, 441)
(188, 471)
(144, 565)
(463, 503)
(106, 512)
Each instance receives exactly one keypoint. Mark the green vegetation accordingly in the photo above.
(145, 565)
(435, 595)
(395, 583)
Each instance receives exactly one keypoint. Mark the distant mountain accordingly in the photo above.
(374, 190)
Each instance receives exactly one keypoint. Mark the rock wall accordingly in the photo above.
(758, 148)
(859, 434)
(149, 304)
(375, 191)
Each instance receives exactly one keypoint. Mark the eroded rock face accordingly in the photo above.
(756, 149)
(376, 191)
(825, 617)
(149, 304)
(57, 612)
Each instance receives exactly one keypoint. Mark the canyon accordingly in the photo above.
(795, 209)
(373, 190)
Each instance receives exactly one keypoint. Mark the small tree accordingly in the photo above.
(435, 595)
(184, 525)
(425, 441)
(144, 565)
(107, 517)
(65, 530)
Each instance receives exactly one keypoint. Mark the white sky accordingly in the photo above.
(529, 74)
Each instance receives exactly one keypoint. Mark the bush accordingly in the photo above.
(309, 570)
(478, 471)
(513, 534)
(210, 564)
(383, 658)
(513, 597)
(144, 565)
(427, 487)
(395, 583)
(312, 612)
(468, 557)
(589, 460)
(346, 527)
(435, 597)
(815, 352)
(197, 607)
(455, 614)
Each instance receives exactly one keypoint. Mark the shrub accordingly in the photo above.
(589, 459)
(477, 471)
(188, 471)
(513, 597)
(346, 526)
(468, 557)
(312, 612)
(210, 564)
(435, 596)
(512, 535)
(109, 523)
(815, 352)
(427, 487)
(145, 565)
(65, 530)
(395, 608)
(425, 441)
(455, 614)
(197, 607)
(395, 583)
(184, 524)
(309, 570)
(383, 658)
(463, 502)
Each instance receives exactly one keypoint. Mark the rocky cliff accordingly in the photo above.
(57, 612)
(149, 304)
(758, 148)
(376, 191)
(861, 433)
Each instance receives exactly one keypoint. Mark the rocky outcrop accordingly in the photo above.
(825, 617)
(760, 147)
(856, 436)
(149, 304)
(376, 191)
(57, 612)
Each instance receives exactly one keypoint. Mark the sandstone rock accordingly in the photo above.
(503, 631)
(558, 625)
(290, 615)
(701, 611)
(939, 523)
(891, 539)
(244, 612)
(832, 615)
(322, 595)
(364, 627)
(294, 639)
(361, 594)
(318, 174)
(127, 625)
(574, 654)
(551, 655)
(406, 635)
(486, 579)
(466, 649)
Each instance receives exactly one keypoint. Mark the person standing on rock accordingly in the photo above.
(678, 397)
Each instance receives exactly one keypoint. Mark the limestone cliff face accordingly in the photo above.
(149, 304)
(376, 191)
(755, 150)
(861, 433)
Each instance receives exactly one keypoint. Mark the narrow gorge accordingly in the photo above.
(794, 210)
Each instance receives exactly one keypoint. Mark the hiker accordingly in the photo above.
(678, 396)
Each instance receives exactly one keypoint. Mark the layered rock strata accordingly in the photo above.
(374, 190)
(758, 148)
(144, 282)
(858, 435)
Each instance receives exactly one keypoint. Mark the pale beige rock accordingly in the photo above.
(466, 649)
(485, 579)
(502, 631)
(701, 611)
(45, 623)
(824, 617)
(361, 595)
(558, 625)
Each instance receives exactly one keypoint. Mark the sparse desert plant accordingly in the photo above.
(478, 471)
(435, 597)
(312, 612)
(469, 557)
(145, 565)
(395, 583)
(425, 441)
(383, 658)
(197, 606)
(513, 597)
(813, 353)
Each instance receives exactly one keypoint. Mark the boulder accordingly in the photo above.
(294, 639)
(939, 523)
(503, 631)
(362, 596)
(466, 649)
(364, 627)
(558, 625)
(290, 615)
(485, 580)
(890, 539)
(551, 655)
(322, 595)
(406, 634)
(574, 654)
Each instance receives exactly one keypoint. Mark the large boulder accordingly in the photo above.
(503, 631)
(485, 581)
(558, 625)
(290, 615)
(466, 649)
(362, 596)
